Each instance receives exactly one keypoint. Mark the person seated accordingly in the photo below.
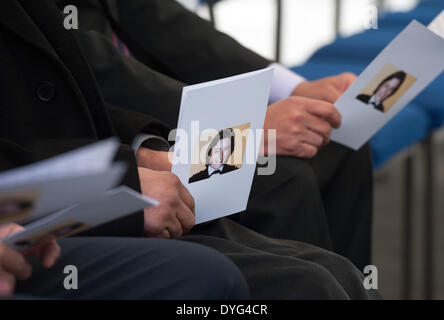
(143, 52)
(68, 111)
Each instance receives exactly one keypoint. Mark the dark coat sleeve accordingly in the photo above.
(128, 124)
(131, 225)
(164, 35)
(188, 49)
(129, 84)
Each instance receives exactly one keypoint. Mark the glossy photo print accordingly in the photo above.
(386, 88)
(17, 206)
(220, 153)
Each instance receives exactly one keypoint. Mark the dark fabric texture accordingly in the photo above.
(202, 175)
(326, 201)
(137, 87)
(288, 205)
(283, 269)
(201, 44)
(50, 102)
(36, 124)
(125, 268)
(345, 178)
(171, 47)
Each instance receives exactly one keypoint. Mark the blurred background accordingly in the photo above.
(306, 24)
(324, 37)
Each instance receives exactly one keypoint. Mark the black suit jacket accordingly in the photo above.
(202, 175)
(171, 47)
(50, 102)
(366, 98)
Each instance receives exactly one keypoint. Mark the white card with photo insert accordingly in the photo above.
(43, 187)
(44, 198)
(419, 54)
(108, 206)
(238, 103)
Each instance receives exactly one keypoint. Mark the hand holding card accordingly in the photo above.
(393, 79)
(218, 140)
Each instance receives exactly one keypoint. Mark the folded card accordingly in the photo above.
(393, 79)
(26, 202)
(32, 191)
(106, 207)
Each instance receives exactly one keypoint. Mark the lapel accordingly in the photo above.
(16, 20)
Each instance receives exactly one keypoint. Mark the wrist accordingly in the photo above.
(154, 160)
(299, 89)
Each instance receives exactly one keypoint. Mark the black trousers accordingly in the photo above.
(283, 269)
(345, 179)
(325, 201)
(112, 268)
(122, 268)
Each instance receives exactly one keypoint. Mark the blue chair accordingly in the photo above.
(432, 100)
(361, 48)
(394, 136)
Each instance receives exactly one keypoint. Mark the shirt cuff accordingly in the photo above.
(151, 142)
(283, 83)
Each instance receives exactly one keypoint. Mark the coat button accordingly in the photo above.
(46, 91)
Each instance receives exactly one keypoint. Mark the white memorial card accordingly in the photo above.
(393, 79)
(217, 143)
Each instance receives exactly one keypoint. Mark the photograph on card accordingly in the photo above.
(386, 88)
(61, 230)
(219, 152)
(17, 206)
